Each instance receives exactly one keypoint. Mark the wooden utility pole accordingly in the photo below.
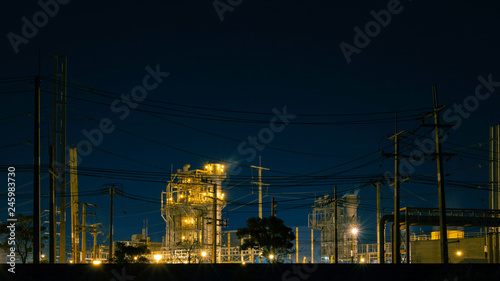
(396, 243)
(36, 177)
(260, 184)
(336, 225)
(296, 244)
(380, 244)
(214, 225)
(112, 193)
(440, 178)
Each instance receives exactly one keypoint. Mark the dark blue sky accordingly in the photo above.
(264, 55)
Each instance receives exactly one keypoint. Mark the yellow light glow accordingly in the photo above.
(459, 253)
(206, 167)
(70, 261)
(170, 198)
(158, 257)
(185, 221)
(135, 258)
(182, 196)
(96, 262)
(203, 254)
(362, 260)
(271, 256)
(354, 231)
(183, 237)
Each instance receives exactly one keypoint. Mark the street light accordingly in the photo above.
(354, 231)
(203, 254)
(96, 262)
(271, 256)
(459, 253)
(157, 257)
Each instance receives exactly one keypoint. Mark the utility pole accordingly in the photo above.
(440, 175)
(312, 245)
(112, 193)
(380, 244)
(74, 204)
(59, 144)
(296, 244)
(52, 209)
(36, 176)
(491, 204)
(336, 225)
(260, 184)
(396, 244)
(214, 224)
(94, 233)
(497, 249)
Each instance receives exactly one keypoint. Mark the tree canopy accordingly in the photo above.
(24, 232)
(127, 254)
(269, 235)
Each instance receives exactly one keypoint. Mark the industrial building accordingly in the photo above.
(191, 207)
(325, 210)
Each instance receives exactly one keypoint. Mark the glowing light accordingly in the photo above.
(354, 231)
(185, 221)
(70, 261)
(158, 257)
(206, 167)
(135, 258)
(182, 196)
(271, 256)
(362, 260)
(203, 254)
(183, 237)
(459, 253)
(96, 262)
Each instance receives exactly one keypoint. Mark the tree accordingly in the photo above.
(269, 235)
(127, 254)
(24, 236)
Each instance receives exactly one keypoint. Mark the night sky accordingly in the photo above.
(316, 84)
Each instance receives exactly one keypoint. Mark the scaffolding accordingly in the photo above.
(323, 218)
(187, 207)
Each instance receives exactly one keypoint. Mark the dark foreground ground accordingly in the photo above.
(253, 272)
